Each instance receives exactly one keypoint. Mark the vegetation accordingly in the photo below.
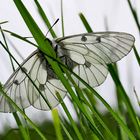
(120, 123)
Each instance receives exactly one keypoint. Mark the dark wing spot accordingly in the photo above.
(87, 64)
(98, 39)
(84, 38)
(42, 87)
(67, 61)
(61, 44)
(16, 82)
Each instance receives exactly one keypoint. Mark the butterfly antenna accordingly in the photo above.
(52, 26)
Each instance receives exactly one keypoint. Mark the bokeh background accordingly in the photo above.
(112, 15)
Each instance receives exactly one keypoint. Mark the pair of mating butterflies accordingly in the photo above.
(87, 55)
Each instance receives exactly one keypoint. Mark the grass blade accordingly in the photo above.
(44, 17)
(57, 127)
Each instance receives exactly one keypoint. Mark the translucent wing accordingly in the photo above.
(92, 51)
(21, 90)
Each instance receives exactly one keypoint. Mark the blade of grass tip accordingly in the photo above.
(126, 99)
(56, 123)
(70, 117)
(7, 47)
(62, 19)
(44, 17)
(23, 114)
(66, 131)
(85, 23)
(15, 48)
(134, 13)
(137, 55)
(20, 37)
(45, 47)
(19, 123)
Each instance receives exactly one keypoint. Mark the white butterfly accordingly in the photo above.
(86, 54)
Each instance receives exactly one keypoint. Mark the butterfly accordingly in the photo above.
(85, 54)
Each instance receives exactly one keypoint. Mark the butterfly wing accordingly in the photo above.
(92, 51)
(22, 91)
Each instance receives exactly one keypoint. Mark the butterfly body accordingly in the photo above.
(86, 54)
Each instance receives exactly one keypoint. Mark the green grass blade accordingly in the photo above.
(7, 47)
(62, 19)
(66, 131)
(85, 23)
(79, 136)
(137, 56)
(20, 37)
(56, 123)
(134, 13)
(45, 19)
(138, 100)
(126, 99)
